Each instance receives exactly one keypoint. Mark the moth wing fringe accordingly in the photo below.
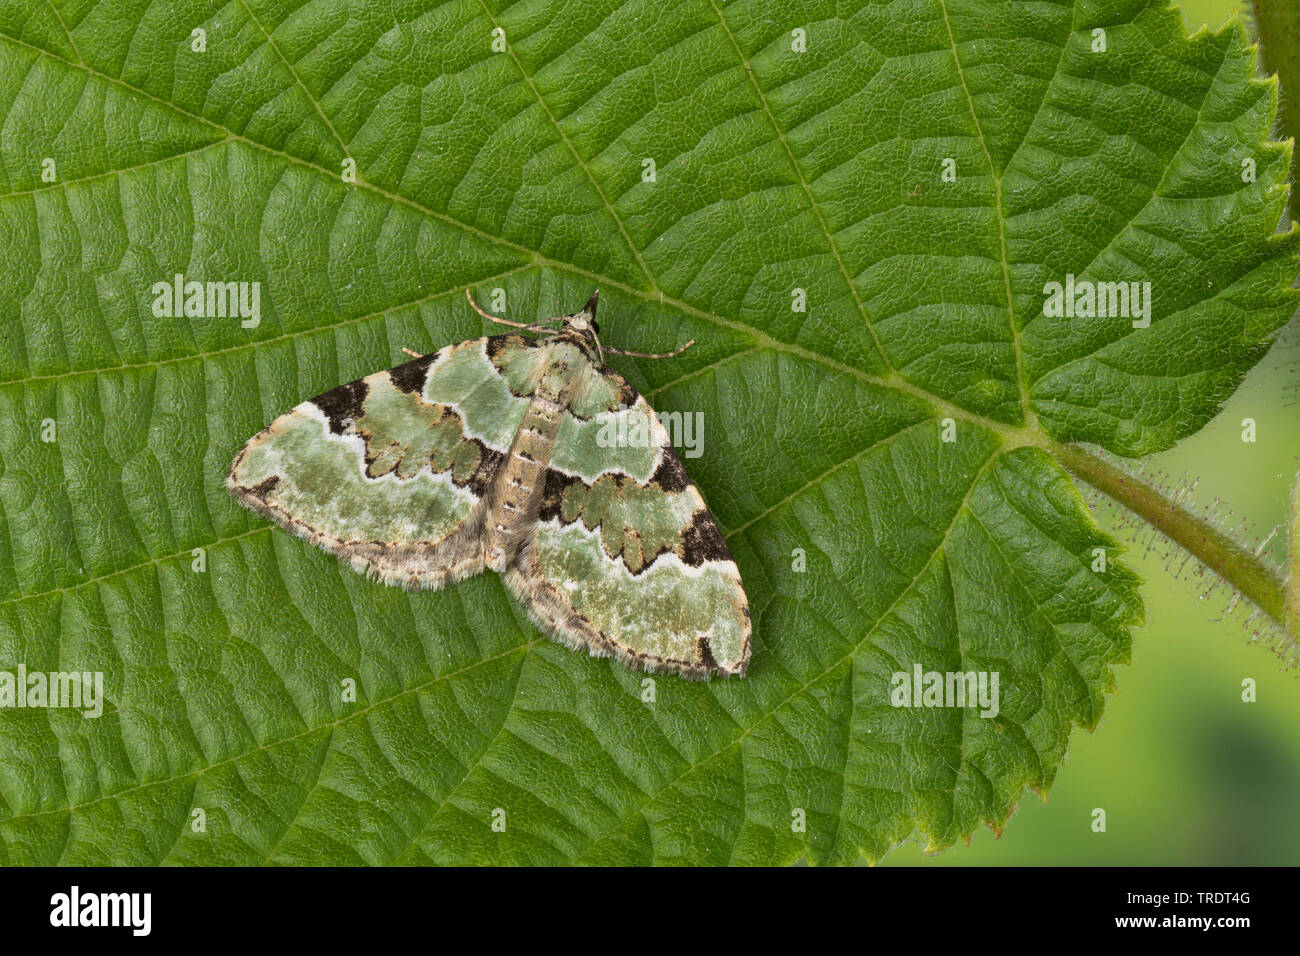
(630, 660)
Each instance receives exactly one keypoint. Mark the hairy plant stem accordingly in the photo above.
(1234, 562)
(1277, 23)
(1291, 606)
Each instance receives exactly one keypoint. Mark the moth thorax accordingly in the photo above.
(582, 339)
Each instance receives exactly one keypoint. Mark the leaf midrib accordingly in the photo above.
(577, 158)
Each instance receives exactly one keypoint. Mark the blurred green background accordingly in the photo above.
(1186, 772)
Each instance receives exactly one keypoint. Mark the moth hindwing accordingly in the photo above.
(489, 454)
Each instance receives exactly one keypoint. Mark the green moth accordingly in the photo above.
(496, 453)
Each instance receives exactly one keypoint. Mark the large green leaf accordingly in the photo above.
(776, 170)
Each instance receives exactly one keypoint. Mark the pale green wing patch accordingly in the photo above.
(317, 480)
(488, 382)
(601, 391)
(625, 441)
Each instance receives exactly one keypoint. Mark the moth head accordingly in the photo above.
(585, 320)
(585, 329)
(580, 328)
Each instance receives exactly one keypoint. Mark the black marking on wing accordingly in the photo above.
(496, 344)
(627, 393)
(489, 461)
(705, 652)
(670, 475)
(553, 489)
(262, 490)
(702, 541)
(411, 376)
(342, 405)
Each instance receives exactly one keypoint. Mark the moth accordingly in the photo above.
(496, 454)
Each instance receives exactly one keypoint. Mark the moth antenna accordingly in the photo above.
(489, 316)
(500, 321)
(654, 355)
(410, 353)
